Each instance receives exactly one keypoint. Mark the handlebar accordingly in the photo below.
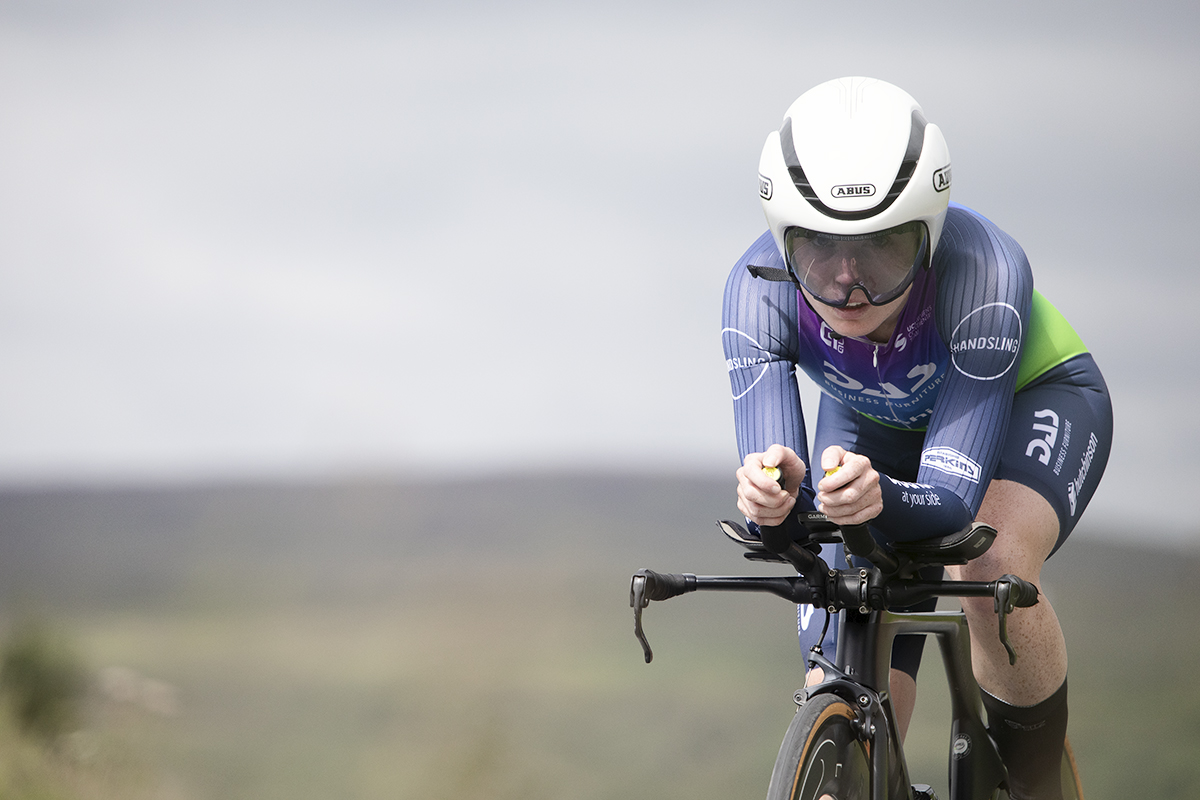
(649, 585)
(857, 589)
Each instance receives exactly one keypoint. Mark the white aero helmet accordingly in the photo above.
(855, 186)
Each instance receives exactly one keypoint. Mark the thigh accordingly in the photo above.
(1058, 442)
(1027, 533)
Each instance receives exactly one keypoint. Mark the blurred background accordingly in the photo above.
(355, 353)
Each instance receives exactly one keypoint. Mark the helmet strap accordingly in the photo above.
(773, 274)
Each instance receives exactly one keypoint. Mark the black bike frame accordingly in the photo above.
(863, 662)
(861, 670)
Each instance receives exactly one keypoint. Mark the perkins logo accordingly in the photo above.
(853, 190)
(952, 462)
(764, 187)
(941, 179)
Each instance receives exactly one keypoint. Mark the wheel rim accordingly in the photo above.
(1071, 788)
(836, 766)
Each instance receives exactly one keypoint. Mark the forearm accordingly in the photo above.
(914, 511)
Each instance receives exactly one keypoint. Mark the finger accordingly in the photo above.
(861, 517)
(833, 457)
(843, 501)
(776, 474)
(752, 478)
(759, 491)
(850, 467)
(855, 478)
(776, 455)
(764, 515)
(832, 499)
(752, 468)
(857, 501)
(789, 463)
(836, 478)
(842, 505)
(779, 466)
(776, 515)
(756, 495)
(830, 483)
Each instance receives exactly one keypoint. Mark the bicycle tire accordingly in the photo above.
(821, 757)
(1072, 788)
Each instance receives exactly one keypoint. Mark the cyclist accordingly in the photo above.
(951, 390)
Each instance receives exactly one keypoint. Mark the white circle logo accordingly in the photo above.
(988, 340)
(747, 362)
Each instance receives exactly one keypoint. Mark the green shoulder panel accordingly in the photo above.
(1051, 341)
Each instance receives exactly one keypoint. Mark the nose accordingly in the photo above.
(848, 279)
(847, 274)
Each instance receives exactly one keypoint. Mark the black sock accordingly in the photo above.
(1030, 740)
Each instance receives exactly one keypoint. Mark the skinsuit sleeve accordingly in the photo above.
(985, 289)
(761, 341)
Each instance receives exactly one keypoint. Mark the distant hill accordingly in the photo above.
(96, 544)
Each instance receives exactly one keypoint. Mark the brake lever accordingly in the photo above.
(1004, 605)
(638, 599)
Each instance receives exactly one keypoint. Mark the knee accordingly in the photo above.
(1014, 552)
(979, 611)
(1027, 531)
(1001, 559)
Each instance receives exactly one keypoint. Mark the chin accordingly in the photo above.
(858, 322)
(853, 327)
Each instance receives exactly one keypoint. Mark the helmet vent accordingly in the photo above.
(912, 154)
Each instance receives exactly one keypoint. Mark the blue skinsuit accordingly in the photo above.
(982, 378)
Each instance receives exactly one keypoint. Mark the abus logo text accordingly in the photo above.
(854, 190)
(765, 187)
(941, 179)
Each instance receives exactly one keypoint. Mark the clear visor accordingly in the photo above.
(881, 265)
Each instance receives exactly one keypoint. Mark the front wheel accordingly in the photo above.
(821, 757)
(1072, 789)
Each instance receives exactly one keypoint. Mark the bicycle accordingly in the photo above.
(842, 743)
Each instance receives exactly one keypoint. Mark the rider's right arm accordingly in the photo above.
(761, 341)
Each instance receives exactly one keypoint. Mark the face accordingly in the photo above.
(878, 265)
(859, 318)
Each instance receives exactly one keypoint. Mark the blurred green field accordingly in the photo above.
(529, 690)
(507, 668)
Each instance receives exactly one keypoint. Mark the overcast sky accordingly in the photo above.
(264, 238)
